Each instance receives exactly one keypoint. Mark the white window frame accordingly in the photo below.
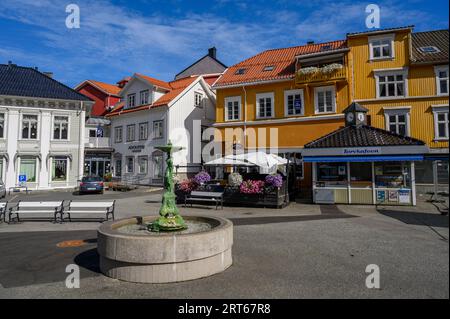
(129, 96)
(439, 109)
(38, 132)
(438, 69)
(389, 37)
(391, 72)
(316, 99)
(37, 170)
(198, 99)
(160, 124)
(141, 95)
(126, 164)
(53, 128)
(395, 111)
(233, 99)
(128, 139)
(52, 159)
(268, 95)
(4, 124)
(140, 158)
(287, 93)
(116, 135)
(145, 124)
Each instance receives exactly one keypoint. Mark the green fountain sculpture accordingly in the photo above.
(169, 216)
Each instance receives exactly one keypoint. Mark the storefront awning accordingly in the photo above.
(387, 158)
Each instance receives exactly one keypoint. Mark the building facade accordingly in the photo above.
(153, 113)
(42, 125)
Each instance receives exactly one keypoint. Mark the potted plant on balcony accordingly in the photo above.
(308, 70)
(330, 68)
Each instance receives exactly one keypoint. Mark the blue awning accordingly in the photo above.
(385, 158)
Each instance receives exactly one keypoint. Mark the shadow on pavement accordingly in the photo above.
(414, 218)
(89, 260)
(286, 219)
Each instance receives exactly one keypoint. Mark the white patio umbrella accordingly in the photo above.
(268, 163)
(228, 161)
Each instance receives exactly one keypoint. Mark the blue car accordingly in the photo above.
(92, 184)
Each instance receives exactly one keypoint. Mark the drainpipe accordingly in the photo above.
(245, 117)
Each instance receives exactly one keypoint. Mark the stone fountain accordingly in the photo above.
(165, 248)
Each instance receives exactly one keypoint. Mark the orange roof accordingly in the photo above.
(176, 87)
(282, 60)
(105, 87)
(154, 81)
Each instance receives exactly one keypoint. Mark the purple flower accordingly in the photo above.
(274, 180)
(202, 177)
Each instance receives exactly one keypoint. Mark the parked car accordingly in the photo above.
(2, 189)
(92, 184)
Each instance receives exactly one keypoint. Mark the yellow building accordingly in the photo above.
(286, 98)
(401, 77)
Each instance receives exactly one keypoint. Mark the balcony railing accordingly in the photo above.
(98, 142)
(339, 74)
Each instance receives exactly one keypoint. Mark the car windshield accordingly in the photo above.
(89, 179)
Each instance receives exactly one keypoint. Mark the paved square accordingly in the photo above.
(302, 251)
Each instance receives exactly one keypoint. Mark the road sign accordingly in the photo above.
(22, 178)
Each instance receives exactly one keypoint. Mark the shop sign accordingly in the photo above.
(404, 196)
(381, 196)
(136, 148)
(362, 151)
(393, 196)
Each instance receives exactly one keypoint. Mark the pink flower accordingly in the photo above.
(252, 187)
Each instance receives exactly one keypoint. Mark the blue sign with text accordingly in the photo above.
(22, 178)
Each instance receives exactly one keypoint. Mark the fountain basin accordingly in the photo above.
(166, 256)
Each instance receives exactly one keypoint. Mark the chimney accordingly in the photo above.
(10, 64)
(212, 52)
(310, 42)
(49, 74)
(123, 82)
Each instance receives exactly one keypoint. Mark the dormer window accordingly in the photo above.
(144, 97)
(131, 100)
(268, 68)
(381, 47)
(240, 71)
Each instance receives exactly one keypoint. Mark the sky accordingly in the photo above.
(117, 38)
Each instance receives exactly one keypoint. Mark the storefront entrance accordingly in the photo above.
(97, 166)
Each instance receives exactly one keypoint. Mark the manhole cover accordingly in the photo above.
(71, 243)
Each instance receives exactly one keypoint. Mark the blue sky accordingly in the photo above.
(160, 38)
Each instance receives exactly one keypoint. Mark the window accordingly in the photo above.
(361, 174)
(59, 169)
(381, 47)
(144, 97)
(391, 84)
(240, 71)
(441, 130)
(93, 132)
(142, 165)
(143, 131)
(157, 165)
(29, 126)
(2, 125)
(28, 168)
(60, 127)
(198, 99)
(118, 134)
(131, 102)
(293, 102)
(131, 133)
(332, 172)
(264, 105)
(397, 120)
(158, 129)
(118, 168)
(232, 108)
(324, 99)
(441, 80)
(268, 68)
(130, 164)
(429, 49)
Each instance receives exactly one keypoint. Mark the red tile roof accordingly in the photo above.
(154, 81)
(106, 87)
(282, 60)
(175, 87)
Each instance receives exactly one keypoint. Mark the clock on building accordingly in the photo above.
(355, 114)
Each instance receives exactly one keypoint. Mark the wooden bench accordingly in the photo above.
(90, 208)
(53, 209)
(203, 196)
(3, 206)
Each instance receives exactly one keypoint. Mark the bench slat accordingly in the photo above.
(35, 211)
(91, 204)
(86, 211)
(40, 204)
(206, 194)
